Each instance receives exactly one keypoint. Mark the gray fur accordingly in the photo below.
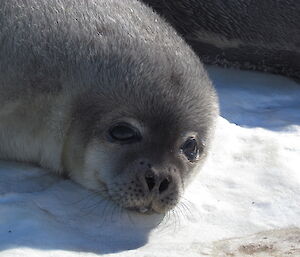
(69, 69)
(257, 35)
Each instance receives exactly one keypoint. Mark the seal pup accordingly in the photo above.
(253, 35)
(107, 93)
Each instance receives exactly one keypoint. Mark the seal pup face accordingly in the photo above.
(142, 148)
(143, 168)
(141, 125)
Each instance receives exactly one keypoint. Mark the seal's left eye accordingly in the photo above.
(124, 133)
(190, 149)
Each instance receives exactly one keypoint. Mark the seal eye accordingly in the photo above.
(124, 133)
(190, 149)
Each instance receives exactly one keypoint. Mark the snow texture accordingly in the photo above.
(250, 183)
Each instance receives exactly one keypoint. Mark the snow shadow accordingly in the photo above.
(45, 212)
(255, 99)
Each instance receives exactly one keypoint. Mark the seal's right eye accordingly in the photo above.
(124, 133)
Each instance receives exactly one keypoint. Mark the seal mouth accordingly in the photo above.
(143, 210)
(147, 210)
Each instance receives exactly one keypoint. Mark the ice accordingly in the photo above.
(250, 184)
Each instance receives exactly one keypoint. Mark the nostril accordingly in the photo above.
(164, 185)
(150, 180)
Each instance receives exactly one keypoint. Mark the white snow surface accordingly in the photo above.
(250, 183)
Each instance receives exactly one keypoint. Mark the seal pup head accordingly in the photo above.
(141, 137)
(138, 107)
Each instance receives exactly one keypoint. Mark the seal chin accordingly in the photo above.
(153, 207)
(148, 209)
(143, 210)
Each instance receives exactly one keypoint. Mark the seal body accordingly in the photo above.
(255, 35)
(107, 93)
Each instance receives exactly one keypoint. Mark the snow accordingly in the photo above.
(250, 183)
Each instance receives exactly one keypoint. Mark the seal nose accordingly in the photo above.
(152, 181)
(164, 185)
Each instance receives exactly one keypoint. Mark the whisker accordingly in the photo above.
(87, 210)
(92, 194)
